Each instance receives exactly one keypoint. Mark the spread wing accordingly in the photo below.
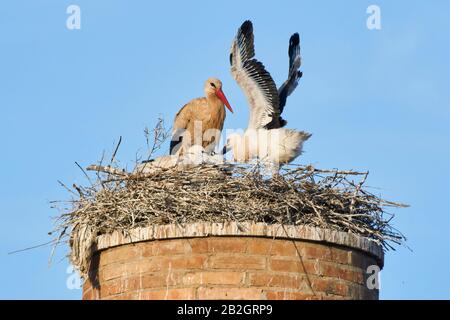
(255, 81)
(295, 61)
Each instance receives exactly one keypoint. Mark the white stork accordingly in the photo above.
(196, 131)
(200, 121)
(265, 138)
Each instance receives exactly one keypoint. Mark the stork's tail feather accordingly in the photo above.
(304, 135)
(276, 123)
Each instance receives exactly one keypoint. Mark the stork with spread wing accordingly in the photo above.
(265, 137)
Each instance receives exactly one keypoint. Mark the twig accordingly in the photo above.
(115, 150)
(107, 169)
(84, 172)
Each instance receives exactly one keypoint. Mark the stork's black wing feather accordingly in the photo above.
(294, 73)
(254, 79)
(175, 145)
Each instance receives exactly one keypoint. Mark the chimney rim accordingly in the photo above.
(242, 229)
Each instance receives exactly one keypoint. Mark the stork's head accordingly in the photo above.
(212, 87)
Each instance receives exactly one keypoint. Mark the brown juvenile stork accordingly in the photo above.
(200, 121)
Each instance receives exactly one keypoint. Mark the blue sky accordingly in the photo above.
(374, 100)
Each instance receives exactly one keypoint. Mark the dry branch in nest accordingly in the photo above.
(299, 195)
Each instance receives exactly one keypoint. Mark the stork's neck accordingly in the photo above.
(214, 103)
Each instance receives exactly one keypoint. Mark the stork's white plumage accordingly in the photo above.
(265, 135)
(194, 156)
(279, 146)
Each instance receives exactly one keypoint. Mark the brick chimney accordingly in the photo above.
(232, 261)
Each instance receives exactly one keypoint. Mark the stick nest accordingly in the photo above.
(299, 195)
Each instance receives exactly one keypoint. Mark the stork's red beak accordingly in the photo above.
(221, 96)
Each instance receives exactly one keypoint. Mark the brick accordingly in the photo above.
(340, 255)
(143, 266)
(285, 248)
(153, 281)
(168, 294)
(333, 297)
(342, 272)
(229, 268)
(290, 248)
(160, 280)
(278, 280)
(111, 288)
(285, 295)
(119, 254)
(87, 294)
(155, 264)
(237, 262)
(273, 247)
(190, 262)
(198, 245)
(117, 286)
(126, 296)
(229, 293)
(298, 265)
(165, 248)
(325, 253)
(87, 285)
(227, 245)
(329, 286)
(179, 262)
(213, 278)
(259, 246)
(133, 283)
(112, 271)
